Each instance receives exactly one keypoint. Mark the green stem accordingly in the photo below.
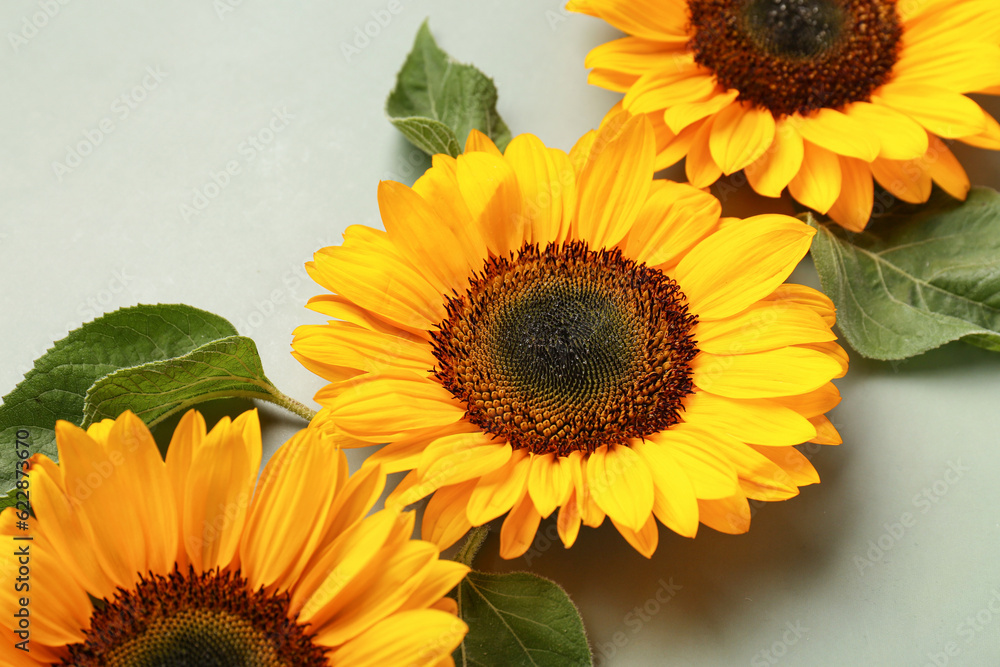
(290, 404)
(467, 553)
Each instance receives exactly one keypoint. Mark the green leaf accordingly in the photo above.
(438, 100)
(918, 277)
(430, 136)
(56, 387)
(225, 368)
(519, 619)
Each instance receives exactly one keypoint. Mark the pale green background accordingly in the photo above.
(110, 234)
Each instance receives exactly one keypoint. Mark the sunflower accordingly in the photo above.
(819, 96)
(193, 567)
(536, 330)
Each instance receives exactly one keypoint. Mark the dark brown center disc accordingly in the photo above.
(189, 620)
(567, 349)
(796, 56)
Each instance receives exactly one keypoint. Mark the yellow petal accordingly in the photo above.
(808, 297)
(383, 285)
(356, 494)
(900, 137)
(826, 433)
(853, 207)
(404, 453)
(519, 528)
(459, 457)
(620, 483)
(764, 326)
(813, 403)
(490, 189)
(297, 481)
(832, 350)
(961, 66)
(679, 116)
(342, 345)
(907, 180)
(218, 490)
(700, 167)
(389, 580)
(58, 607)
(741, 264)
(615, 181)
(988, 138)
(838, 133)
(645, 540)
(727, 515)
(942, 112)
(380, 408)
(681, 82)
(762, 477)
(441, 577)
(783, 372)
(417, 637)
(817, 184)
(63, 529)
(549, 482)
(497, 492)
(672, 147)
(946, 170)
(777, 166)
(674, 502)
(439, 188)
(650, 19)
(94, 486)
(338, 307)
(445, 520)
(800, 472)
(674, 218)
(477, 142)
(415, 229)
(631, 55)
(568, 523)
(579, 155)
(320, 591)
(710, 474)
(740, 135)
(548, 184)
(590, 513)
(760, 421)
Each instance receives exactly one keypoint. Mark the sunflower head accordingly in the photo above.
(822, 97)
(536, 330)
(193, 565)
(796, 56)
